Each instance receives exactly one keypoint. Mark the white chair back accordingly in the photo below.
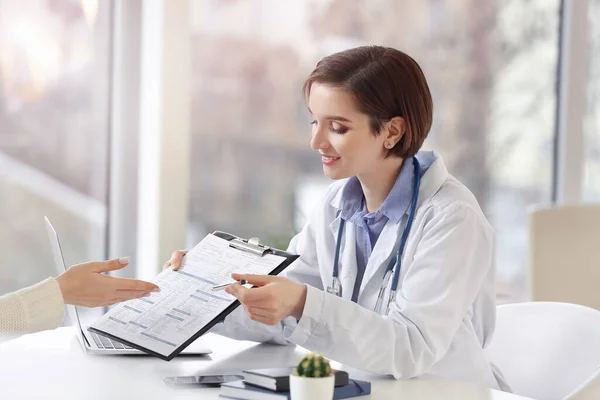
(546, 350)
(564, 256)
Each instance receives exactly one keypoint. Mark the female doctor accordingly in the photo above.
(396, 267)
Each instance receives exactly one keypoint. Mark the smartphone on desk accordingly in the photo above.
(181, 382)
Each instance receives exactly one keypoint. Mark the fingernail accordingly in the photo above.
(155, 290)
(147, 295)
(124, 260)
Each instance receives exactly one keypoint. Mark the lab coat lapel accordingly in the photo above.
(385, 248)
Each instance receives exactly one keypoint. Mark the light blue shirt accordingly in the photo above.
(395, 206)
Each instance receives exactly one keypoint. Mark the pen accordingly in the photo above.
(224, 285)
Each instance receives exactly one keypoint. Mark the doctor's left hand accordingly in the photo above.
(275, 298)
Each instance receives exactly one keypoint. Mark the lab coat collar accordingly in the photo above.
(431, 182)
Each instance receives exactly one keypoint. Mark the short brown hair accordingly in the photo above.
(385, 83)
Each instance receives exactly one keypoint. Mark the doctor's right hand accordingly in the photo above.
(175, 260)
(86, 285)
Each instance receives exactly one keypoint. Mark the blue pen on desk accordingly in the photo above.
(224, 285)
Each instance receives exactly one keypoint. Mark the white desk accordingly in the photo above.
(52, 365)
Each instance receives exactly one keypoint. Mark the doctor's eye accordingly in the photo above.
(313, 122)
(339, 129)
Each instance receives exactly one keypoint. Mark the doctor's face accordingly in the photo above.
(342, 134)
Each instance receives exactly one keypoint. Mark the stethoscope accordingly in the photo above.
(336, 286)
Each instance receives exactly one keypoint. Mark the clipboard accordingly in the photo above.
(251, 245)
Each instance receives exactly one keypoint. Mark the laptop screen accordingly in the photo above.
(59, 261)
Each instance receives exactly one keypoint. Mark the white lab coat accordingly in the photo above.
(444, 312)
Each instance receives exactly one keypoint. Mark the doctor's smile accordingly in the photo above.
(395, 274)
(328, 160)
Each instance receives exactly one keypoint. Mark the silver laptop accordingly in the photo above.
(92, 342)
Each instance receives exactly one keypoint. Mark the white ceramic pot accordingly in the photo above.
(303, 388)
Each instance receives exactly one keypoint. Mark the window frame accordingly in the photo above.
(150, 126)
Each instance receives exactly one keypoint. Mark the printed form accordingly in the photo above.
(186, 302)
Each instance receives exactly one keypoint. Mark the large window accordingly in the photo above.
(591, 165)
(54, 91)
(491, 66)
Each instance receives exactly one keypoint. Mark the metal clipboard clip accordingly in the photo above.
(251, 245)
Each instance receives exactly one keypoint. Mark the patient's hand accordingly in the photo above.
(85, 285)
(175, 260)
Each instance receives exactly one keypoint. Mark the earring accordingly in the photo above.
(388, 145)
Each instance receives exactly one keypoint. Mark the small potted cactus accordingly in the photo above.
(312, 379)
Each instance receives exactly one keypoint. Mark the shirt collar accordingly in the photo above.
(394, 206)
(433, 174)
(351, 199)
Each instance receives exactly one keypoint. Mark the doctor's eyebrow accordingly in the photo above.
(336, 118)
(333, 117)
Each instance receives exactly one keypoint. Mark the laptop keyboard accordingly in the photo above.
(105, 343)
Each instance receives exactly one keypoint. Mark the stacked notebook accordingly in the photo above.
(278, 379)
(274, 383)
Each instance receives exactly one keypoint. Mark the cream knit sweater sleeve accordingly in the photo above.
(31, 309)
